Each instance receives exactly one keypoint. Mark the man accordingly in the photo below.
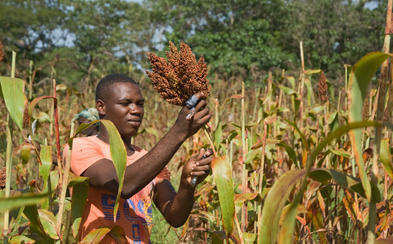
(119, 99)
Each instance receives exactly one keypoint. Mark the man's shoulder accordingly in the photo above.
(86, 140)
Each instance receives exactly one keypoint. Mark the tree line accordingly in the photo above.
(79, 41)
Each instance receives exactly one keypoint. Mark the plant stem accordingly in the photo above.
(56, 117)
(8, 168)
(8, 162)
(64, 185)
(301, 89)
(244, 153)
(31, 80)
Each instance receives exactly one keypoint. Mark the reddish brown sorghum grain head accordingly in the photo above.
(180, 76)
(2, 178)
(323, 88)
(1, 51)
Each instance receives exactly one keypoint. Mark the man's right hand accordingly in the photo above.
(188, 127)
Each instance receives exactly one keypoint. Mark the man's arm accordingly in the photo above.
(176, 207)
(102, 174)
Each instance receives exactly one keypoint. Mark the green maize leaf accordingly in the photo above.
(310, 93)
(14, 97)
(20, 201)
(21, 240)
(359, 80)
(289, 219)
(312, 71)
(46, 159)
(80, 186)
(343, 180)
(222, 174)
(54, 180)
(249, 238)
(81, 127)
(333, 121)
(287, 90)
(118, 234)
(95, 236)
(118, 153)
(274, 204)
(386, 157)
(119, 157)
(36, 226)
(251, 155)
(291, 153)
(217, 136)
(341, 152)
(302, 136)
(48, 221)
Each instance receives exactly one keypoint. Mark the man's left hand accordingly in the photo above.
(198, 166)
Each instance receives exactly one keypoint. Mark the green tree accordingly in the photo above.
(234, 36)
(30, 28)
(334, 32)
(110, 35)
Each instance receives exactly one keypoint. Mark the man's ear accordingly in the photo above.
(100, 106)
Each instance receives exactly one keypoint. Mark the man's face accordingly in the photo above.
(123, 106)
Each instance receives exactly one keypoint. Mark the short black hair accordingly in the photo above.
(107, 81)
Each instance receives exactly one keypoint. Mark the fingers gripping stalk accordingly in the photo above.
(190, 103)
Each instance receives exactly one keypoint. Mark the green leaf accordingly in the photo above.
(95, 236)
(80, 128)
(119, 157)
(118, 153)
(291, 153)
(80, 187)
(46, 159)
(217, 136)
(286, 232)
(14, 97)
(341, 152)
(302, 136)
(36, 227)
(343, 180)
(312, 71)
(222, 174)
(20, 201)
(386, 157)
(21, 240)
(118, 234)
(274, 204)
(359, 80)
(249, 238)
(48, 221)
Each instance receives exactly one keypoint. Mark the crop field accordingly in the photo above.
(298, 157)
(287, 164)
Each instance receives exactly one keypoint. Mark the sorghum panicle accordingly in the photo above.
(1, 51)
(180, 76)
(323, 88)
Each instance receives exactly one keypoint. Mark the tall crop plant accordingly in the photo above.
(289, 167)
